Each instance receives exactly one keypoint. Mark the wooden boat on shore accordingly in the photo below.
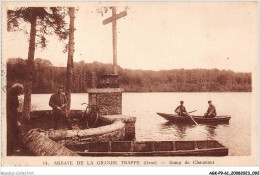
(199, 119)
(151, 148)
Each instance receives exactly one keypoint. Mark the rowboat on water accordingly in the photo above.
(199, 119)
(151, 148)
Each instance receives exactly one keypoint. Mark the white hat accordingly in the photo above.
(17, 85)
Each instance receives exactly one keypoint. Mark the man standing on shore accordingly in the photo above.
(13, 124)
(58, 102)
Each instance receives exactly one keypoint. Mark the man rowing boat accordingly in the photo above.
(211, 112)
(181, 110)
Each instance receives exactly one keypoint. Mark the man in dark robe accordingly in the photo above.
(58, 102)
(211, 112)
(13, 124)
(181, 110)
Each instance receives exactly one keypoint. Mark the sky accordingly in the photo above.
(157, 36)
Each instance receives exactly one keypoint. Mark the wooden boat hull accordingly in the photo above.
(151, 148)
(212, 152)
(198, 119)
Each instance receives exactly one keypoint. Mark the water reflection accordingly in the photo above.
(211, 130)
(190, 131)
(179, 130)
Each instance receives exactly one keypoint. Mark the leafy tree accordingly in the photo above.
(222, 79)
(42, 21)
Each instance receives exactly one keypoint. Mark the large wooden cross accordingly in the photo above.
(113, 19)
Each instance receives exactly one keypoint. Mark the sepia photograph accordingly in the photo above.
(129, 83)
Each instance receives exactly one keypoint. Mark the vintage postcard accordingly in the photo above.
(129, 84)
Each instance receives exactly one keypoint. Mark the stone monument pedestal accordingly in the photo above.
(108, 100)
(108, 97)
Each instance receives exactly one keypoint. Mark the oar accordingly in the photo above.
(193, 119)
(192, 111)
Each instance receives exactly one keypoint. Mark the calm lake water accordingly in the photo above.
(149, 126)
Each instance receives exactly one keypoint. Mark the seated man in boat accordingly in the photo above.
(181, 110)
(211, 112)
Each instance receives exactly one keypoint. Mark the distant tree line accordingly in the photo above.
(48, 76)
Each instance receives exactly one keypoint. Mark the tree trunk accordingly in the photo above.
(70, 58)
(30, 71)
(41, 145)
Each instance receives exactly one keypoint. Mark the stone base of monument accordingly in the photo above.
(108, 100)
(108, 97)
